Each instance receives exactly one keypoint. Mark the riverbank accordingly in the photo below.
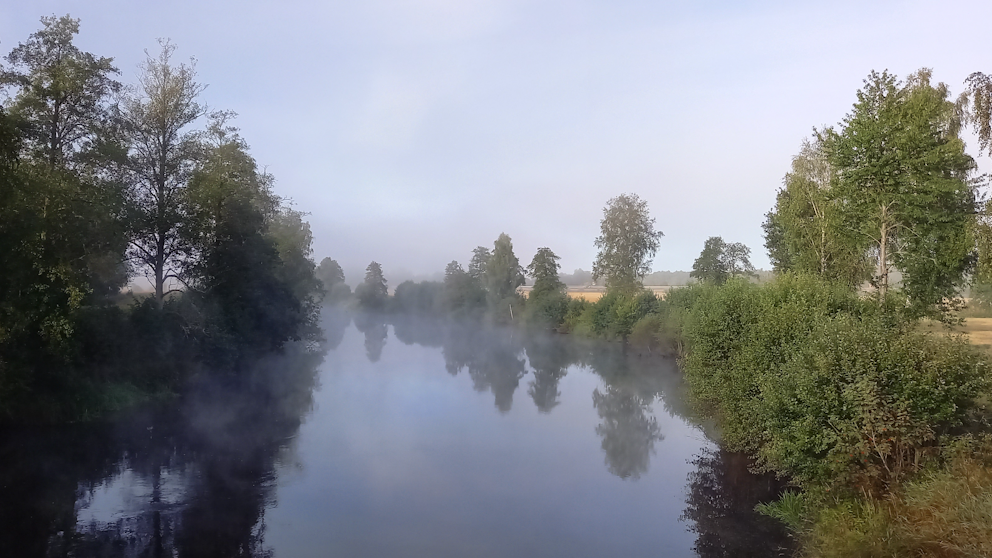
(878, 423)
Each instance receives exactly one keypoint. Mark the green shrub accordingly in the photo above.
(646, 333)
(820, 385)
(740, 332)
(578, 316)
(862, 404)
(548, 310)
(614, 315)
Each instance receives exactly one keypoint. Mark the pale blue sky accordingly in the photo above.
(415, 130)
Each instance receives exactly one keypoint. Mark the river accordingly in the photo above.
(408, 439)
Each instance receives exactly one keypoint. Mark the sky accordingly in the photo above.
(412, 131)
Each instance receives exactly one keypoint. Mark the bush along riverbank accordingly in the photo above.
(881, 427)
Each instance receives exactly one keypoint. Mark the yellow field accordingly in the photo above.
(592, 294)
(978, 330)
(582, 294)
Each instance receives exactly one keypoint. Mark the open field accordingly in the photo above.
(592, 294)
(979, 331)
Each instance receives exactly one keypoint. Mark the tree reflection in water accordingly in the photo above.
(375, 329)
(722, 496)
(492, 358)
(193, 479)
(198, 476)
(550, 358)
(628, 429)
(334, 321)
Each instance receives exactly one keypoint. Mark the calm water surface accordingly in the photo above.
(408, 439)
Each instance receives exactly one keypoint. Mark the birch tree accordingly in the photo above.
(155, 119)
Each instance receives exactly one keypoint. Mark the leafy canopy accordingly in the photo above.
(627, 242)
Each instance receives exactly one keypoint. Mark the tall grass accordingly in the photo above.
(943, 514)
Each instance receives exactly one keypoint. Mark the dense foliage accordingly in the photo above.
(720, 261)
(96, 189)
(627, 242)
(823, 386)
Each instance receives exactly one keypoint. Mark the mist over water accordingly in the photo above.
(410, 438)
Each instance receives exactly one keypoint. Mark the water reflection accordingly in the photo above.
(550, 358)
(720, 506)
(198, 478)
(375, 329)
(628, 430)
(185, 480)
(334, 322)
(493, 359)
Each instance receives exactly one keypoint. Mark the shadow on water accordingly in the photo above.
(720, 508)
(188, 479)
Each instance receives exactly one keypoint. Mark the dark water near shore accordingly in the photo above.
(408, 439)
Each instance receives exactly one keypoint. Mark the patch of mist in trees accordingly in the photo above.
(722, 495)
(334, 322)
(202, 473)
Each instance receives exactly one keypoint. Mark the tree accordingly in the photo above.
(544, 270)
(737, 259)
(976, 103)
(720, 260)
(60, 103)
(373, 293)
(503, 275)
(773, 229)
(547, 300)
(627, 243)
(162, 154)
(463, 295)
(902, 185)
(329, 273)
(710, 265)
(249, 262)
(477, 267)
(62, 92)
(331, 276)
(812, 236)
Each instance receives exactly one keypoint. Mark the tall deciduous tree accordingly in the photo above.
(463, 295)
(710, 265)
(804, 231)
(162, 153)
(977, 104)
(503, 275)
(547, 301)
(737, 258)
(70, 228)
(902, 182)
(627, 243)
(61, 91)
(721, 260)
(477, 267)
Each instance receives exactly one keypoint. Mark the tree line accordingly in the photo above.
(103, 182)
(828, 375)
